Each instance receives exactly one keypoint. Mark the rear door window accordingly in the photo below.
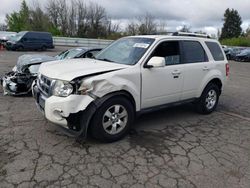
(215, 51)
(193, 52)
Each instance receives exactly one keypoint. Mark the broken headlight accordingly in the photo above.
(62, 88)
(84, 88)
(14, 69)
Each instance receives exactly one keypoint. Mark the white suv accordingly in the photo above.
(132, 75)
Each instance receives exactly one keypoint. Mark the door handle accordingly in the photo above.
(176, 72)
(205, 69)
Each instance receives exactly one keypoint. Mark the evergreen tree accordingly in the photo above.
(24, 14)
(232, 24)
(19, 21)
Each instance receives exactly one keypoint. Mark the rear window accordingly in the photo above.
(193, 52)
(215, 51)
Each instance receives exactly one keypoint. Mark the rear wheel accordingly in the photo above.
(112, 120)
(208, 101)
(43, 48)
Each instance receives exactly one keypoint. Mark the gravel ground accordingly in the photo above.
(175, 147)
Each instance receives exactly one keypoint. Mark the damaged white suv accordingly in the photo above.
(132, 75)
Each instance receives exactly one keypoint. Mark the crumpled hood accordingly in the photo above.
(69, 69)
(30, 59)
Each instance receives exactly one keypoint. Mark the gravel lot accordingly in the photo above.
(170, 148)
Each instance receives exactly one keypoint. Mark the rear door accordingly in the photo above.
(196, 67)
(164, 84)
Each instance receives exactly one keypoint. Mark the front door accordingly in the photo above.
(164, 84)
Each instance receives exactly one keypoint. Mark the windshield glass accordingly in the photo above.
(126, 50)
(17, 36)
(68, 54)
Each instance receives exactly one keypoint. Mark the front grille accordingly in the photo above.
(45, 84)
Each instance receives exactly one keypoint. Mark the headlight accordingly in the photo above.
(62, 88)
(14, 69)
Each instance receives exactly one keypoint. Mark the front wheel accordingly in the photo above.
(112, 120)
(20, 48)
(208, 101)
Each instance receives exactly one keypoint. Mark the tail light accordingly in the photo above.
(227, 69)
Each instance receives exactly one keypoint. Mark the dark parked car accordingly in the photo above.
(30, 40)
(232, 52)
(244, 56)
(20, 79)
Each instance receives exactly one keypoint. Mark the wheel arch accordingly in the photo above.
(216, 80)
(122, 93)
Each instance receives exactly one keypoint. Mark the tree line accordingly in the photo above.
(77, 18)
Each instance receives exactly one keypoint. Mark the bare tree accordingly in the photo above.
(72, 29)
(112, 27)
(63, 16)
(3, 27)
(132, 28)
(39, 21)
(185, 28)
(147, 25)
(143, 25)
(82, 22)
(162, 27)
(53, 12)
(96, 16)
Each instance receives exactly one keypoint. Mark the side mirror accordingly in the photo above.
(156, 62)
(89, 55)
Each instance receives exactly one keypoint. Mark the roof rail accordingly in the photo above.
(190, 34)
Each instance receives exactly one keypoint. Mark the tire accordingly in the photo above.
(208, 100)
(43, 48)
(20, 48)
(106, 125)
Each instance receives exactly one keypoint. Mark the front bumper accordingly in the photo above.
(14, 87)
(58, 109)
(10, 46)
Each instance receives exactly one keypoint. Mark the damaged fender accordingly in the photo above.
(107, 85)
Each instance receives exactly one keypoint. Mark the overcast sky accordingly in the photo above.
(203, 15)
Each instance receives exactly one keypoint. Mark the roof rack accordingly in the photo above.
(190, 34)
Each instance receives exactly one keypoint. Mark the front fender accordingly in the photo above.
(105, 86)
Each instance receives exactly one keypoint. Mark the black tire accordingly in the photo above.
(97, 129)
(43, 48)
(20, 48)
(202, 105)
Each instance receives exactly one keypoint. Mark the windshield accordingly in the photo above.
(17, 36)
(126, 50)
(69, 54)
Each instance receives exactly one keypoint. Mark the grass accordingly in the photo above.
(241, 41)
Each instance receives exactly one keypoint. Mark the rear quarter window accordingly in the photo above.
(215, 51)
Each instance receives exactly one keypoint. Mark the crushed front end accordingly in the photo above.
(71, 113)
(16, 83)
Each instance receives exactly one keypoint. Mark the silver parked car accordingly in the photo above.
(19, 80)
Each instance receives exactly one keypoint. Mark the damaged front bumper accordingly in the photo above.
(15, 83)
(59, 110)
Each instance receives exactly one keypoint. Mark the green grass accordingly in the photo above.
(241, 41)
